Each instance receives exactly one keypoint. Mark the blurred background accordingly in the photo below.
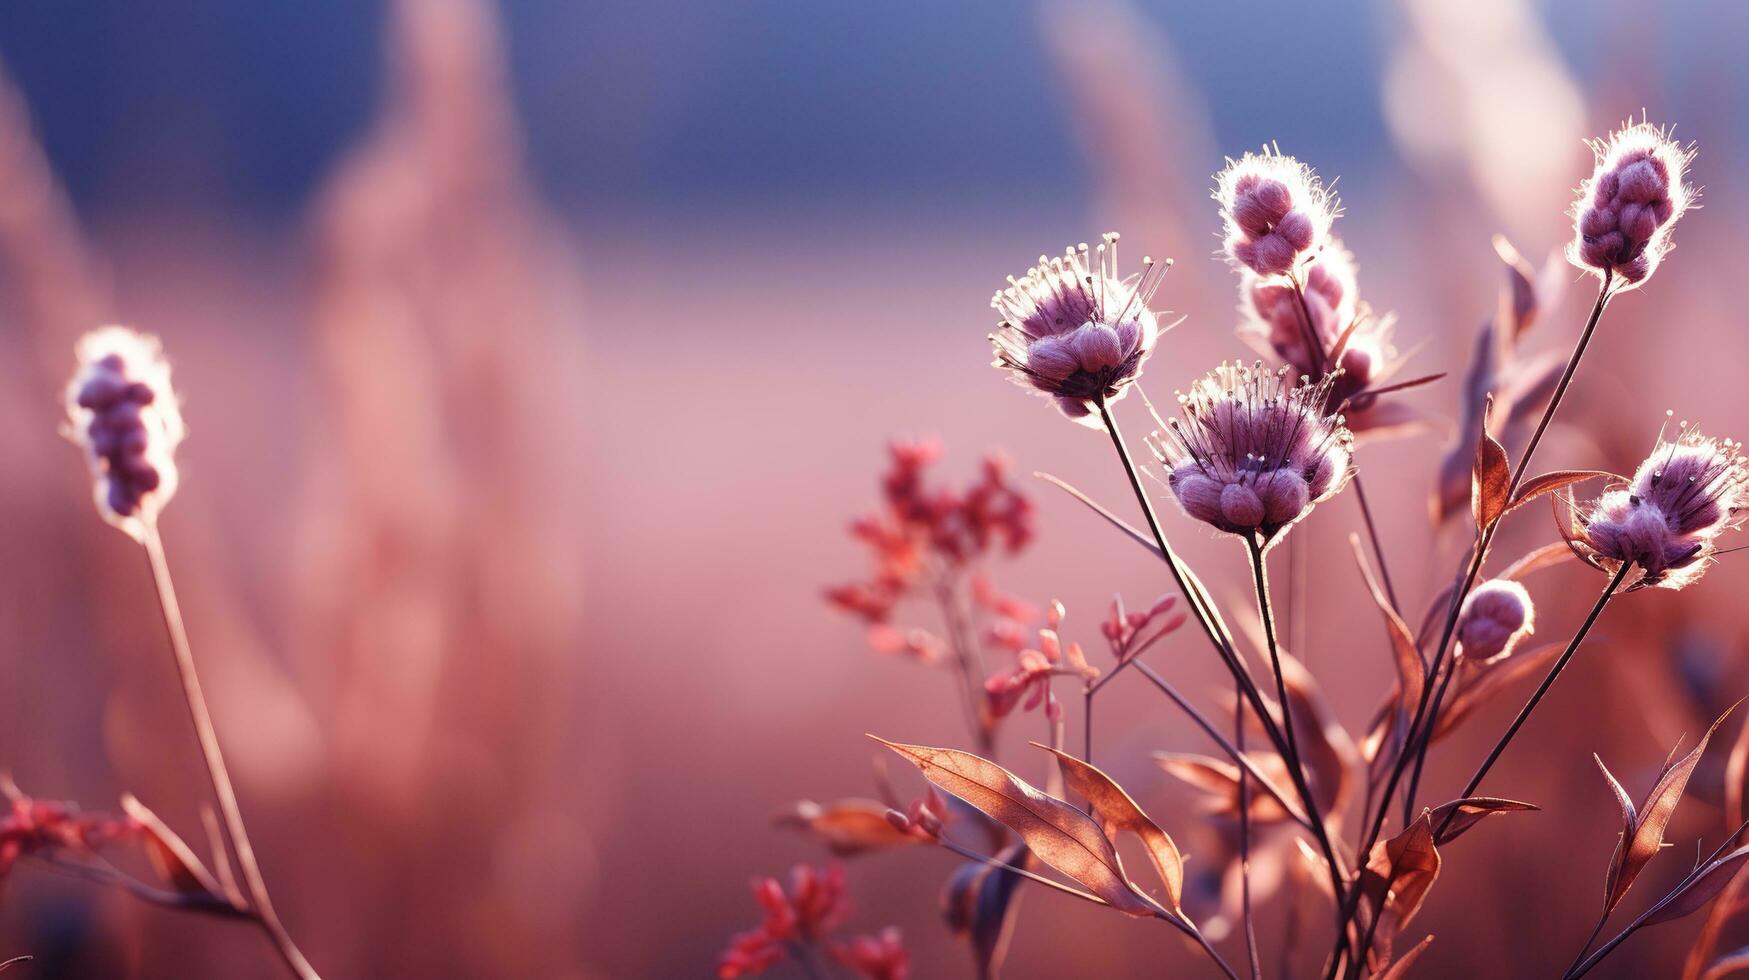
(535, 357)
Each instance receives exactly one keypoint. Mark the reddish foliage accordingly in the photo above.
(44, 826)
(803, 917)
(881, 956)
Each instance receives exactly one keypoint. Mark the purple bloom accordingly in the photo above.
(1276, 211)
(122, 411)
(1497, 614)
(1252, 454)
(1628, 206)
(1074, 331)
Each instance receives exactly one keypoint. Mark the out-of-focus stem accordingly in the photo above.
(971, 679)
(261, 906)
(1249, 931)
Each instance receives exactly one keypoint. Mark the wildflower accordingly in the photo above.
(1626, 209)
(881, 956)
(1668, 518)
(1073, 330)
(1497, 614)
(122, 411)
(1253, 454)
(814, 905)
(1276, 211)
(46, 827)
(1030, 680)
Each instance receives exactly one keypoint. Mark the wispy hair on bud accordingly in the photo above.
(1277, 212)
(1075, 331)
(1628, 206)
(122, 411)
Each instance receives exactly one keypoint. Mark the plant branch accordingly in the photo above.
(260, 904)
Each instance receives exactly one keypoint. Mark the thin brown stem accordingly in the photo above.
(1378, 548)
(1266, 613)
(1250, 929)
(261, 906)
(971, 679)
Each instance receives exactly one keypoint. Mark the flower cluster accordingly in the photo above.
(1030, 680)
(44, 827)
(1276, 212)
(1628, 206)
(1497, 614)
(1668, 518)
(1074, 331)
(1252, 453)
(925, 537)
(122, 411)
(800, 921)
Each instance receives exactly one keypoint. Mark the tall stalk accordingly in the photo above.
(261, 906)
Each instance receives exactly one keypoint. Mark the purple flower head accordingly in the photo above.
(1072, 330)
(122, 411)
(1628, 206)
(1276, 212)
(1252, 453)
(1669, 516)
(1497, 614)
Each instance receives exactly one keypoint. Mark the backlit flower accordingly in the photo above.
(1628, 206)
(1253, 452)
(1495, 616)
(1276, 211)
(1074, 331)
(122, 411)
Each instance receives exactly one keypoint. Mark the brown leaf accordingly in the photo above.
(174, 860)
(1699, 888)
(1058, 834)
(1518, 301)
(980, 901)
(1455, 466)
(1490, 478)
(1117, 811)
(1220, 779)
(1411, 671)
(847, 827)
(1644, 836)
(1536, 486)
(1398, 874)
(1472, 811)
(1326, 748)
(1400, 969)
(1487, 679)
(1536, 560)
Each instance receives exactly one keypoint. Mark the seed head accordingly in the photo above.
(1626, 209)
(122, 411)
(1252, 453)
(1497, 614)
(1668, 518)
(1072, 330)
(1276, 211)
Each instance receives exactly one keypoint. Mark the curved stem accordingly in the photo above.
(1249, 929)
(1542, 689)
(260, 904)
(1579, 957)
(1266, 613)
(1203, 607)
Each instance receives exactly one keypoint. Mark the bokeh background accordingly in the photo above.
(536, 355)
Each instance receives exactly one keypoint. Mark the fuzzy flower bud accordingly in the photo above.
(1628, 206)
(1276, 211)
(1252, 453)
(1072, 330)
(1497, 614)
(122, 411)
(1667, 520)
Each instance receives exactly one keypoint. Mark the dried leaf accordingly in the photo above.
(1644, 837)
(174, 860)
(1536, 486)
(1398, 874)
(1117, 811)
(980, 902)
(1472, 811)
(847, 827)
(1491, 477)
(1706, 943)
(1487, 679)
(1400, 969)
(1058, 834)
(1518, 301)
(1455, 467)
(1411, 671)
(1326, 748)
(1699, 888)
(1536, 560)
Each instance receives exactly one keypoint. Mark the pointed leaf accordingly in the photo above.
(1490, 478)
(1456, 466)
(1411, 670)
(1400, 969)
(1536, 486)
(1398, 874)
(1058, 834)
(1647, 837)
(1472, 811)
(174, 860)
(1538, 559)
(1699, 888)
(1117, 811)
(847, 827)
